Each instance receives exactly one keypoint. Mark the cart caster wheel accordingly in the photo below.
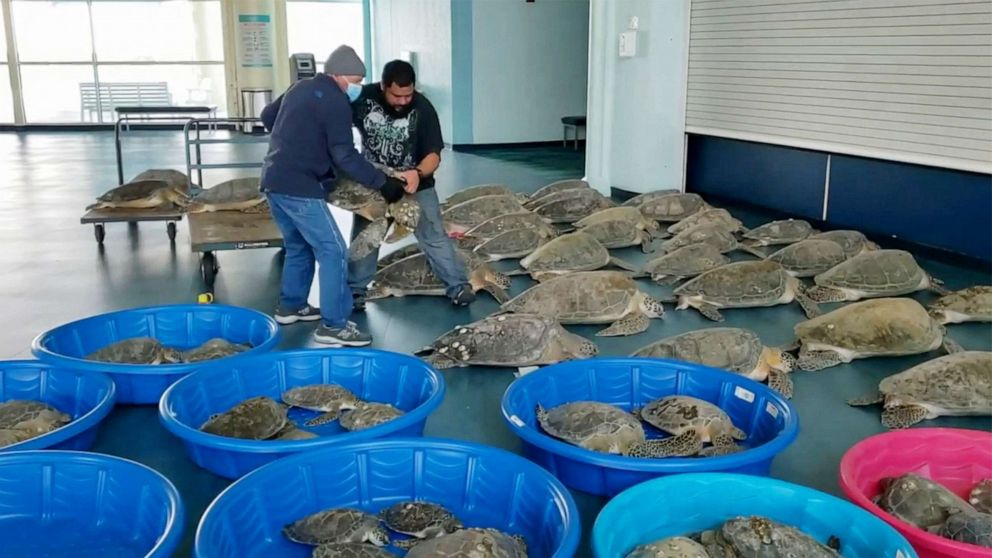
(208, 269)
(99, 233)
(170, 229)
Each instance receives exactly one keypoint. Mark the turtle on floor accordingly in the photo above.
(973, 304)
(543, 192)
(458, 219)
(413, 276)
(473, 192)
(876, 273)
(568, 253)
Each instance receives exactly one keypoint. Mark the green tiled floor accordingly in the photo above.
(54, 272)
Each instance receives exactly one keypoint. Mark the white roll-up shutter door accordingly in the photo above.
(905, 80)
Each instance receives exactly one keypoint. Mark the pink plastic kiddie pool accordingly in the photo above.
(955, 458)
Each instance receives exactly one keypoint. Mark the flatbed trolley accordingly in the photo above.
(223, 230)
(100, 217)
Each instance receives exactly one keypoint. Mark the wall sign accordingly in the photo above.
(256, 40)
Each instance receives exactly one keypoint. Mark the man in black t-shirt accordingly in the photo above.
(400, 129)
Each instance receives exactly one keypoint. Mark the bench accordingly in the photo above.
(574, 123)
(109, 95)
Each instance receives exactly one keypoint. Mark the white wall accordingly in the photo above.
(529, 68)
(423, 27)
(637, 105)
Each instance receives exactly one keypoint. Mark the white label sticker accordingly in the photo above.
(524, 370)
(744, 394)
(772, 410)
(899, 554)
(516, 420)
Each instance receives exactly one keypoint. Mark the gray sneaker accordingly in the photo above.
(348, 335)
(306, 314)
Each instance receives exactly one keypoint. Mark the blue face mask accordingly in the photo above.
(354, 91)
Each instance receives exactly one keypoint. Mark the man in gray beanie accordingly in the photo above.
(310, 147)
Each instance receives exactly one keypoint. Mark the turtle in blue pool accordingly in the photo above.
(672, 547)
(679, 414)
(471, 543)
(214, 349)
(22, 419)
(350, 550)
(761, 537)
(258, 418)
(419, 520)
(137, 350)
(339, 525)
(330, 399)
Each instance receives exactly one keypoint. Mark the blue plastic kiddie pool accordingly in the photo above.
(85, 396)
(403, 381)
(769, 421)
(482, 486)
(182, 326)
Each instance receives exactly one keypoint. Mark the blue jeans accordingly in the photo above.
(435, 243)
(310, 235)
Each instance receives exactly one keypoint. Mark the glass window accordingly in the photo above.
(319, 27)
(201, 84)
(157, 31)
(52, 93)
(6, 97)
(52, 31)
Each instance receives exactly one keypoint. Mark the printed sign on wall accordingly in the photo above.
(256, 40)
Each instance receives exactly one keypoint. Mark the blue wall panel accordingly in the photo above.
(944, 208)
(780, 178)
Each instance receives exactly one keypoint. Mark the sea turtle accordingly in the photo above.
(213, 349)
(142, 194)
(878, 273)
(239, 194)
(258, 418)
(137, 350)
(507, 222)
(714, 235)
(338, 525)
(350, 550)
(973, 304)
(620, 227)
(682, 263)
(773, 233)
(576, 251)
(421, 520)
(174, 178)
(516, 243)
(329, 399)
(413, 276)
(460, 218)
(471, 543)
(667, 206)
(678, 414)
(31, 417)
(293, 432)
(369, 204)
(591, 297)
(570, 206)
(9, 437)
(517, 340)
(875, 327)
(981, 496)
(536, 198)
(605, 428)
(761, 537)
(809, 257)
(713, 216)
(919, 501)
(952, 385)
(397, 255)
(743, 284)
(473, 192)
(672, 547)
(969, 527)
(734, 349)
(853, 242)
(368, 414)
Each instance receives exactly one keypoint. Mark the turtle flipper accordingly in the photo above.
(647, 244)
(817, 360)
(406, 544)
(936, 286)
(866, 400)
(710, 312)
(369, 240)
(617, 262)
(440, 361)
(723, 444)
(752, 249)
(903, 417)
(667, 280)
(398, 233)
(825, 294)
(685, 444)
(781, 382)
(950, 346)
(376, 292)
(809, 306)
(325, 418)
(635, 322)
(496, 291)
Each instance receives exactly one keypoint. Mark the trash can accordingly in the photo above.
(253, 100)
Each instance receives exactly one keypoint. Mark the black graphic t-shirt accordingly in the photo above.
(398, 140)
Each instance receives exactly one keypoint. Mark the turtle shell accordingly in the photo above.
(809, 257)
(876, 273)
(954, 384)
(669, 207)
(590, 297)
(877, 326)
(687, 261)
(576, 251)
(730, 348)
(740, 283)
(593, 425)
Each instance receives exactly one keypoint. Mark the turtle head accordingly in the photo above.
(377, 291)
(780, 360)
(652, 307)
(500, 279)
(451, 525)
(378, 536)
(938, 315)
(587, 349)
(171, 356)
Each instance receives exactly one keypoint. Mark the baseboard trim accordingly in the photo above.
(469, 147)
(97, 127)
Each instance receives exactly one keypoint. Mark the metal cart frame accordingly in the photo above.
(207, 230)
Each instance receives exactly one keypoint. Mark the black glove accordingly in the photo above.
(392, 190)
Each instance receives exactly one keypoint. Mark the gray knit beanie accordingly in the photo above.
(344, 62)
